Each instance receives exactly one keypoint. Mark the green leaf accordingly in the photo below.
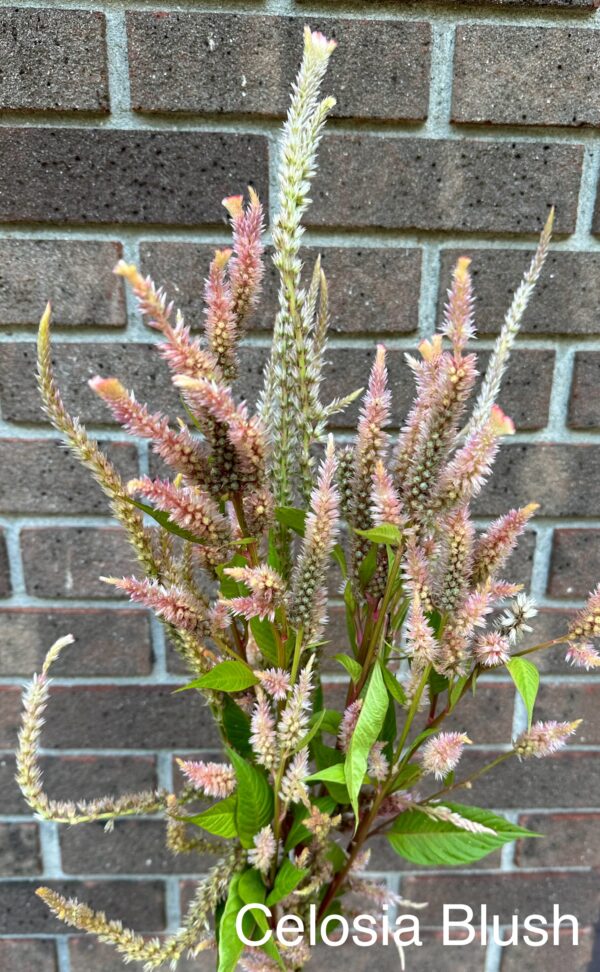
(527, 680)
(331, 774)
(255, 799)
(316, 720)
(439, 843)
(252, 891)
(264, 636)
(340, 558)
(331, 722)
(229, 587)
(384, 533)
(350, 609)
(230, 946)
(287, 880)
(165, 521)
(292, 517)
(368, 727)
(456, 690)
(218, 819)
(351, 665)
(368, 566)
(407, 777)
(237, 726)
(437, 683)
(227, 676)
(393, 686)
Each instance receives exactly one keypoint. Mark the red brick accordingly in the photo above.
(572, 701)
(5, 584)
(570, 840)
(139, 904)
(40, 476)
(144, 177)
(88, 955)
(76, 275)
(108, 642)
(21, 955)
(487, 716)
(558, 87)
(256, 59)
(79, 777)
(584, 411)
(556, 476)
(19, 850)
(571, 778)
(575, 563)
(68, 561)
(53, 60)
(356, 305)
(133, 847)
(565, 300)
(581, 958)
(431, 955)
(432, 184)
(551, 623)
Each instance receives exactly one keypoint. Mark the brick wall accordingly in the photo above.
(123, 125)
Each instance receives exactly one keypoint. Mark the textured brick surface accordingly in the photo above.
(445, 185)
(68, 561)
(176, 59)
(138, 177)
(559, 87)
(88, 955)
(575, 563)
(357, 304)
(566, 297)
(53, 60)
(20, 955)
(580, 850)
(107, 642)
(584, 410)
(583, 958)
(556, 476)
(133, 847)
(534, 784)
(138, 905)
(40, 476)
(19, 849)
(5, 585)
(76, 276)
(573, 701)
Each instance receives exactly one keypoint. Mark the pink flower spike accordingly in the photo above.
(587, 622)
(385, 502)
(262, 854)
(545, 738)
(458, 317)
(263, 737)
(583, 655)
(441, 754)
(214, 779)
(267, 589)
(175, 605)
(378, 766)
(492, 649)
(276, 682)
(348, 724)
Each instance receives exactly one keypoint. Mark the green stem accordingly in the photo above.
(414, 705)
(470, 779)
(297, 653)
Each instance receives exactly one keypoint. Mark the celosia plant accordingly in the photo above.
(237, 542)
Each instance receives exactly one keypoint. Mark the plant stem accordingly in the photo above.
(297, 653)
(414, 705)
(375, 640)
(470, 779)
(541, 646)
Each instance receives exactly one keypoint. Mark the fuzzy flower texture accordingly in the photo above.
(255, 518)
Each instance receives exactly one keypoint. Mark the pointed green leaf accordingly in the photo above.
(317, 720)
(527, 680)
(264, 636)
(351, 665)
(368, 727)
(165, 521)
(237, 726)
(218, 819)
(331, 774)
(385, 533)
(255, 799)
(368, 566)
(440, 843)
(227, 676)
(287, 880)
(230, 946)
(292, 517)
(393, 686)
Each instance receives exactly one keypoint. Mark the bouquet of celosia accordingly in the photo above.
(235, 552)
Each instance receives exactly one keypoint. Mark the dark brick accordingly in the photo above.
(572, 701)
(570, 840)
(88, 955)
(53, 60)
(145, 177)
(431, 955)
(127, 717)
(432, 184)
(555, 958)
(565, 300)
(133, 847)
(507, 894)
(576, 5)
(68, 561)
(139, 904)
(487, 717)
(108, 642)
(575, 563)
(584, 411)
(5, 584)
(569, 779)
(551, 623)
(357, 305)
(40, 476)
(22, 955)
(75, 275)
(19, 850)
(556, 476)
(526, 388)
(80, 777)
(256, 59)
(10, 715)
(559, 86)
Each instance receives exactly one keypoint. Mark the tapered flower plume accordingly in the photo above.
(348, 723)
(458, 533)
(458, 317)
(421, 644)
(263, 736)
(442, 753)
(583, 655)
(183, 354)
(466, 473)
(246, 267)
(545, 738)
(178, 607)
(266, 590)
(220, 324)
(309, 594)
(187, 506)
(213, 779)
(378, 765)
(587, 623)
(385, 502)
(493, 549)
(262, 854)
(491, 649)
(417, 576)
(276, 682)
(293, 787)
(178, 448)
(293, 720)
